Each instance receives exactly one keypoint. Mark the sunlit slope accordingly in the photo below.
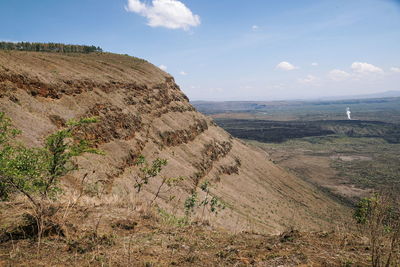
(143, 111)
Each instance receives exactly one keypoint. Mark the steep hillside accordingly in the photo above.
(143, 111)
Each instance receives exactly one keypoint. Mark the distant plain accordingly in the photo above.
(315, 140)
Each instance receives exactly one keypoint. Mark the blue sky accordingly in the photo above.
(232, 49)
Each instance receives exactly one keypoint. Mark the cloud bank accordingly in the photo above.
(360, 70)
(310, 79)
(171, 14)
(286, 66)
(338, 75)
(365, 68)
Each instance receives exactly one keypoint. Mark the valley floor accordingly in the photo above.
(350, 168)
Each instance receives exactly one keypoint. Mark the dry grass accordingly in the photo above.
(145, 239)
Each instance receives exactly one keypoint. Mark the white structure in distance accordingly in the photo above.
(348, 112)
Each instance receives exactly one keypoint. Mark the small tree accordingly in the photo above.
(379, 218)
(190, 204)
(169, 183)
(211, 203)
(35, 172)
(148, 171)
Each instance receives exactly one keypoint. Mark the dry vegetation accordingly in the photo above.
(156, 238)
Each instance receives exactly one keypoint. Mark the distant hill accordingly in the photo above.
(381, 109)
(213, 107)
(373, 95)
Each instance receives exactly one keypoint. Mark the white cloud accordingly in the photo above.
(285, 66)
(255, 27)
(309, 79)
(365, 68)
(338, 75)
(314, 64)
(360, 71)
(183, 73)
(163, 67)
(171, 14)
(395, 69)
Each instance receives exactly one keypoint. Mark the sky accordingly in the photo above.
(232, 49)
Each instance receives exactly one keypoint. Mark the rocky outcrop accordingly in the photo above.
(210, 154)
(232, 168)
(174, 138)
(113, 123)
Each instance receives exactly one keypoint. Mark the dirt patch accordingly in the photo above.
(350, 157)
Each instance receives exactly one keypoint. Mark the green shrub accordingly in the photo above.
(35, 172)
(211, 203)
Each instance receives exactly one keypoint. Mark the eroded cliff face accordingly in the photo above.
(143, 111)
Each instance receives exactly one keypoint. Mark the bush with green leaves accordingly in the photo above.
(147, 171)
(211, 203)
(190, 204)
(35, 172)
